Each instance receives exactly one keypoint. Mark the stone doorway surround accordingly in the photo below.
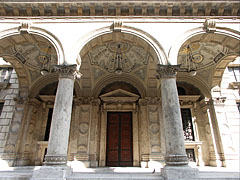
(119, 100)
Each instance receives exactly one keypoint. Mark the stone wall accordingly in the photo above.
(8, 95)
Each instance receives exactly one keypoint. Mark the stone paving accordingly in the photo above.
(119, 173)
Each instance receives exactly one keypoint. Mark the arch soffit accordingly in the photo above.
(23, 72)
(205, 90)
(110, 78)
(40, 32)
(175, 48)
(82, 42)
(43, 81)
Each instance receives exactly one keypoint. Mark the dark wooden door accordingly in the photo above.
(119, 139)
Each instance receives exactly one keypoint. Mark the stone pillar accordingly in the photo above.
(176, 158)
(56, 158)
(216, 156)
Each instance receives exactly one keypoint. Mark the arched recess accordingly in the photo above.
(110, 79)
(119, 55)
(22, 74)
(43, 81)
(211, 52)
(26, 28)
(204, 89)
(175, 48)
(151, 41)
(29, 53)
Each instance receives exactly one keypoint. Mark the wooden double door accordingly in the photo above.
(119, 139)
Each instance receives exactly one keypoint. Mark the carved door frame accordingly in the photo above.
(119, 104)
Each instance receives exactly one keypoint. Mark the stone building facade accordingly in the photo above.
(120, 83)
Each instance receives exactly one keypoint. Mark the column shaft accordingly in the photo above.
(59, 132)
(175, 149)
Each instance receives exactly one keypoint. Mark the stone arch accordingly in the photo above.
(213, 51)
(43, 81)
(24, 48)
(26, 28)
(109, 79)
(156, 46)
(219, 70)
(175, 48)
(198, 83)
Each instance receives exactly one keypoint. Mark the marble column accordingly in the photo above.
(176, 159)
(56, 158)
(60, 127)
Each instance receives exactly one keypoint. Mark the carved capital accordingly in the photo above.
(142, 102)
(96, 102)
(67, 71)
(153, 100)
(167, 71)
(209, 25)
(83, 100)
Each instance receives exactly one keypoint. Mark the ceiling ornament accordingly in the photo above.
(200, 55)
(119, 57)
(34, 56)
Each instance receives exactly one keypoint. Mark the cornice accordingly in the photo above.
(86, 9)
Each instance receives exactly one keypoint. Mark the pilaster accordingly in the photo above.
(213, 135)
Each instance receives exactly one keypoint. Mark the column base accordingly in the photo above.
(179, 172)
(52, 173)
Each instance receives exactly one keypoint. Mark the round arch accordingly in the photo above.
(82, 42)
(22, 74)
(205, 90)
(110, 78)
(42, 81)
(40, 32)
(175, 48)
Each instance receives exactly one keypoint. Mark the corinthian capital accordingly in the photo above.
(68, 71)
(167, 71)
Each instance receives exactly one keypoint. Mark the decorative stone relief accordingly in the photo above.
(114, 56)
(82, 148)
(205, 54)
(141, 73)
(97, 73)
(83, 128)
(33, 55)
(15, 127)
(154, 130)
(209, 25)
(153, 101)
(167, 71)
(67, 71)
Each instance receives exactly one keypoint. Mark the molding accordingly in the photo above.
(119, 8)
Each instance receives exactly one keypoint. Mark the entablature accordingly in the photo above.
(119, 8)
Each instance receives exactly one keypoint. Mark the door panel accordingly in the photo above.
(119, 139)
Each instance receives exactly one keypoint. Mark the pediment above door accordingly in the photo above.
(119, 95)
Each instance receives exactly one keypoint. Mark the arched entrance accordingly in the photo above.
(119, 74)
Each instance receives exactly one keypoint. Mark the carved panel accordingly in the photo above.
(154, 128)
